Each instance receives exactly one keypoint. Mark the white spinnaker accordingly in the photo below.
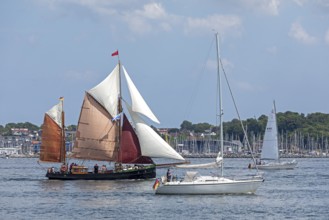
(138, 103)
(56, 113)
(107, 91)
(270, 142)
(152, 145)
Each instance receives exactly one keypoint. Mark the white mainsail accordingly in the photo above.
(138, 103)
(152, 145)
(107, 92)
(270, 143)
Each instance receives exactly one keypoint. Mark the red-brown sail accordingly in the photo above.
(130, 151)
(52, 141)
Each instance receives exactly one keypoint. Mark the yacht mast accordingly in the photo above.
(220, 105)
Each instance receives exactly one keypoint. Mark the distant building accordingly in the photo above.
(163, 131)
(19, 131)
(10, 151)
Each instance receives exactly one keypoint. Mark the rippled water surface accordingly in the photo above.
(302, 193)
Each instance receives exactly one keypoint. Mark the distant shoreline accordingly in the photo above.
(249, 156)
(200, 156)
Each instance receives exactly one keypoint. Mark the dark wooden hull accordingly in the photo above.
(141, 173)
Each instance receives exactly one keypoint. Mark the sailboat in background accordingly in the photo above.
(193, 183)
(270, 156)
(104, 133)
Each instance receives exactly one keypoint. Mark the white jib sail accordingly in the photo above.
(270, 142)
(107, 92)
(56, 113)
(152, 145)
(138, 103)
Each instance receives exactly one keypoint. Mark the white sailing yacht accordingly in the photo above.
(270, 157)
(193, 183)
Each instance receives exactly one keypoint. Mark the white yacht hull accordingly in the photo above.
(278, 165)
(209, 186)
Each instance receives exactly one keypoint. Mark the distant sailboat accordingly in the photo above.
(270, 156)
(193, 183)
(105, 134)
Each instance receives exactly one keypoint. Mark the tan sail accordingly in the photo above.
(96, 137)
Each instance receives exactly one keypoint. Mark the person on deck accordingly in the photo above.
(96, 168)
(168, 175)
(71, 165)
(103, 168)
(64, 168)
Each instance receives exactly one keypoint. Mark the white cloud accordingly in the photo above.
(270, 7)
(297, 32)
(300, 2)
(220, 23)
(148, 18)
(152, 11)
(151, 18)
(326, 37)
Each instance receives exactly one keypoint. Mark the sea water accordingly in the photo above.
(25, 193)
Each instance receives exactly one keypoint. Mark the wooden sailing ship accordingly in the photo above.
(104, 133)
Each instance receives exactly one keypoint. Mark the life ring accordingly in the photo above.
(63, 168)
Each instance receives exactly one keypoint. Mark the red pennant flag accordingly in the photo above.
(116, 53)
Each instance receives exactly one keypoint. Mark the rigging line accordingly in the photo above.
(197, 85)
(41, 167)
(236, 109)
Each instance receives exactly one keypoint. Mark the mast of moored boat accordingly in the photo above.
(220, 105)
(62, 150)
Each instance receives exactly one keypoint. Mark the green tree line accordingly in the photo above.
(6, 130)
(312, 125)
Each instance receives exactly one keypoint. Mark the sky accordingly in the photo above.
(271, 50)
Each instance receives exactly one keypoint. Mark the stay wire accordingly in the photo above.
(238, 114)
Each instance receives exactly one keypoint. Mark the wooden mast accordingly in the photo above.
(63, 150)
(119, 108)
